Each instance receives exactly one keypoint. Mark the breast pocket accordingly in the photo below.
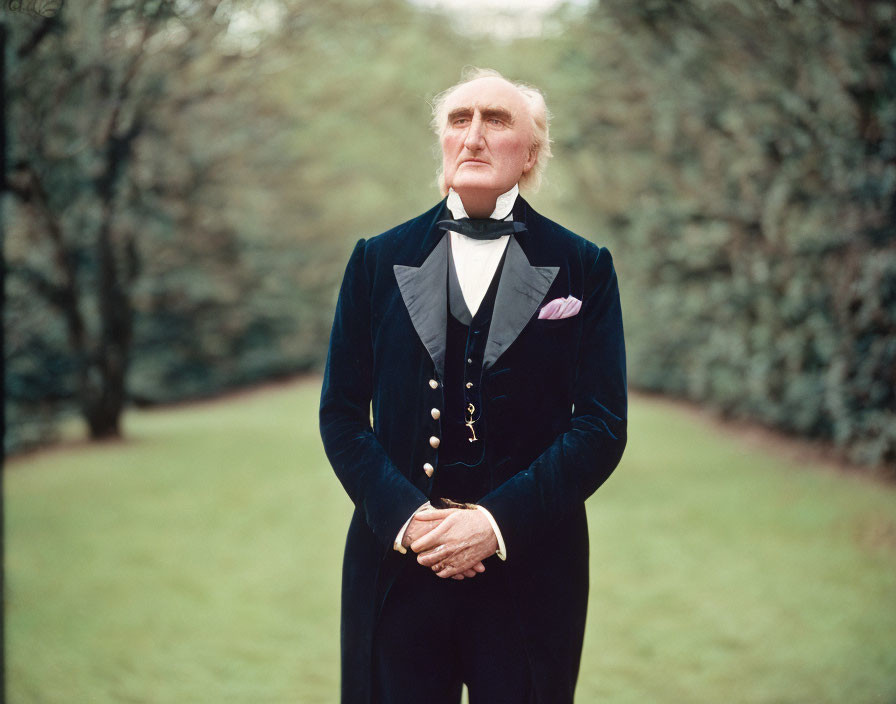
(555, 325)
(557, 331)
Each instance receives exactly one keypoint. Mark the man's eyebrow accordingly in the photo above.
(459, 112)
(488, 113)
(498, 112)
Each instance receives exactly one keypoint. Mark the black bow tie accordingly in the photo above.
(486, 229)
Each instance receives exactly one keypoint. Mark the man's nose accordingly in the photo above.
(474, 138)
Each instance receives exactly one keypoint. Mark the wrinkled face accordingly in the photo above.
(487, 139)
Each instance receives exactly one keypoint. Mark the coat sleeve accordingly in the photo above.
(581, 459)
(383, 495)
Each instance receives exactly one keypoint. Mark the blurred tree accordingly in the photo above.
(187, 180)
(91, 85)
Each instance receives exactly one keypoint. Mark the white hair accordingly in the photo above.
(538, 113)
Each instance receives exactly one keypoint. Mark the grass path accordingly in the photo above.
(199, 562)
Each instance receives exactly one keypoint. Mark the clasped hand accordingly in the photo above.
(452, 542)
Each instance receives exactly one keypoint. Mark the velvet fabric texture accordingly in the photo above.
(553, 393)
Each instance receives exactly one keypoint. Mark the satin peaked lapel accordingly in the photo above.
(520, 291)
(424, 290)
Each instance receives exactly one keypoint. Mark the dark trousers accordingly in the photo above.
(434, 635)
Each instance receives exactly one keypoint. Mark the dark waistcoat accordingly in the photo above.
(462, 474)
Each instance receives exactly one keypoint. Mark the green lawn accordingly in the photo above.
(199, 560)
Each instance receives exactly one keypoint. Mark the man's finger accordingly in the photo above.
(417, 529)
(448, 564)
(435, 514)
(449, 571)
(430, 540)
(431, 557)
(468, 574)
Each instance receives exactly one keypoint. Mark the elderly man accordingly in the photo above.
(489, 341)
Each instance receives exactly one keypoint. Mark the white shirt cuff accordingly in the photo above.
(398, 538)
(502, 549)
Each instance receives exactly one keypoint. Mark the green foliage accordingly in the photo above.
(200, 562)
(738, 158)
(744, 157)
(99, 174)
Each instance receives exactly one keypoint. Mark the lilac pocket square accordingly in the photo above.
(560, 308)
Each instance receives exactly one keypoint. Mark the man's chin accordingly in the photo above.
(475, 186)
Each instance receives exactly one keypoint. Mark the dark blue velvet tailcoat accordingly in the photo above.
(554, 401)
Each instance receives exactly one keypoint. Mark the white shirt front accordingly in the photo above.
(477, 260)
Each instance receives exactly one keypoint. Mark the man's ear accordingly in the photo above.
(531, 158)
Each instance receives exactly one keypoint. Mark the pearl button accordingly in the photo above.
(428, 468)
(434, 441)
(433, 384)
(469, 384)
(435, 413)
(469, 360)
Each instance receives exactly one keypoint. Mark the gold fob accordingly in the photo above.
(469, 422)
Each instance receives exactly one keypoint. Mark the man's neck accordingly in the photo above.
(481, 206)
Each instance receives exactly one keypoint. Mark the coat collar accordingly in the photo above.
(424, 290)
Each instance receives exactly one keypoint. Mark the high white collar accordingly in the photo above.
(503, 206)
